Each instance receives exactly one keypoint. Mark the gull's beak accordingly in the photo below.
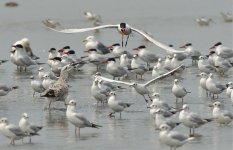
(110, 47)
(13, 46)
(87, 51)
(212, 47)
(135, 49)
(84, 40)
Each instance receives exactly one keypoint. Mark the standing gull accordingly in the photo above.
(191, 120)
(59, 90)
(172, 138)
(92, 43)
(77, 119)
(27, 128)
(11, 131)
(115, 105)
(178, 90)
(223, 117)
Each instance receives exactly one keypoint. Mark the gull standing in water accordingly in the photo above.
(191, 120)
(92, 43)
(223, 117)
(11, 131)
(59, 90)
(77, 119)
(213, 86)
(26, 126)
(115, 105)
(142, 88)
(178, 90)
(123, 29)
(36, 86)
(203, 79)
(229, 86)
(172, 138)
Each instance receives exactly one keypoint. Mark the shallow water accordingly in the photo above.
(171, 22)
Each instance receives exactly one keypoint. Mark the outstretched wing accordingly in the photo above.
(83, 29)
(114, 81)
(164, 75)
(161, 45)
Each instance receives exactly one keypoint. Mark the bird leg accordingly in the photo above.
(111, 114)
(150, 98)
(30, 139)
(33, 93)
(145, 99)
(127, 41)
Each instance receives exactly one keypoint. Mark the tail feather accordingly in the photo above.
(95, 125)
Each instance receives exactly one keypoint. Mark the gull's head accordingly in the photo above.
(134, 84)
(229, 84)
(211, 75)
(89, 39)
(185, 107)
(164, 127)
(135, 55)
(116, 45)
(25, 42)
(112, 93)
(41, 69)
(217, 104)
(176, 81)
(46, 76)
(201, 57)
(156, 95)
(25, 116)
(203, 75)
(4, 120)
(72, 103)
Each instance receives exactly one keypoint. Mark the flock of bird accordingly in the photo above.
(122, 65)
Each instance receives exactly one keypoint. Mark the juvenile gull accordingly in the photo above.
(59, 90)
(77, 119)
(26, 126)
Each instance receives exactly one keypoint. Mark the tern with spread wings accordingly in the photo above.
(123, 29)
